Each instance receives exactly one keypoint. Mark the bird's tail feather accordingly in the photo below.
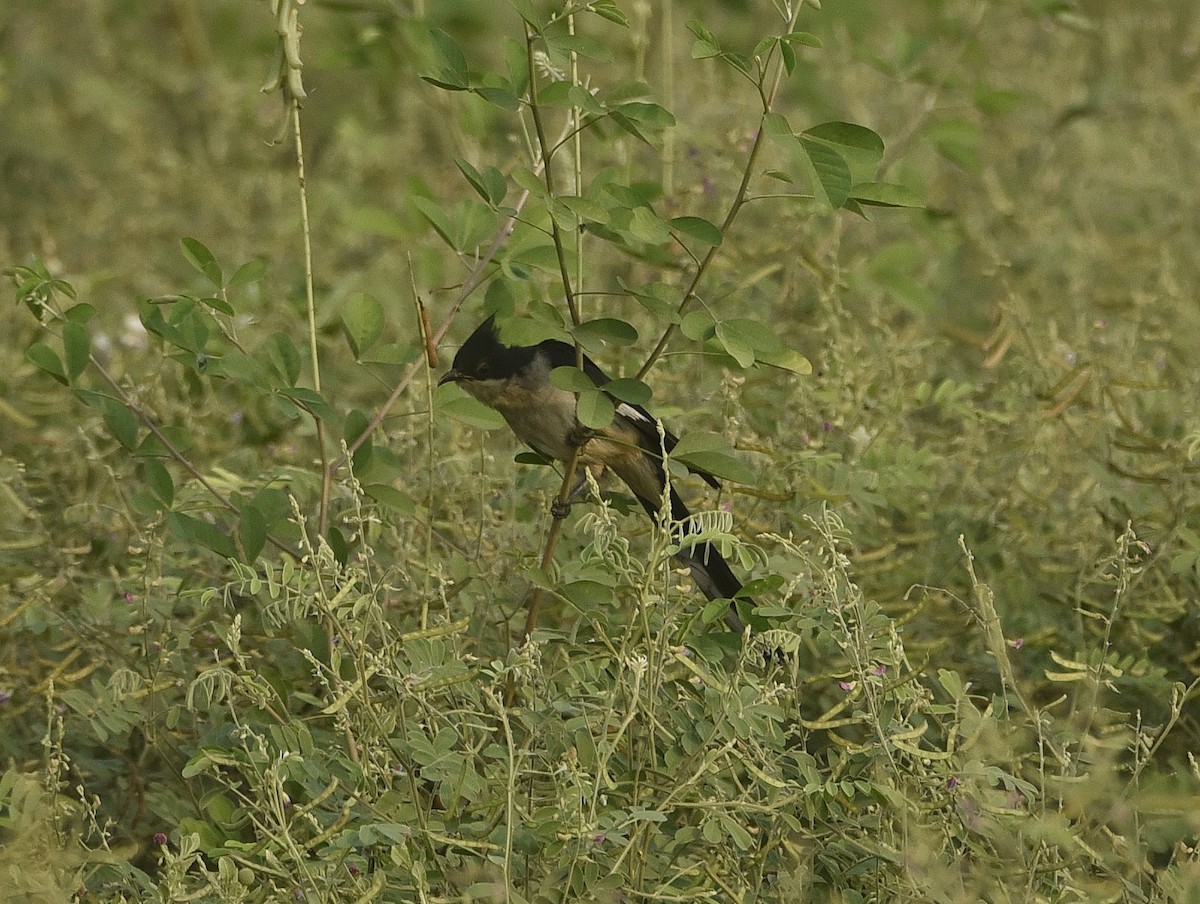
(708, 567)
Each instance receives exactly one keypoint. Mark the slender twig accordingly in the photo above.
(768, 101)
(546, 153)
(422, 325)
(472, 282)
(314, 357)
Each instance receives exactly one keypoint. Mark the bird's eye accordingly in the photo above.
(483, 369)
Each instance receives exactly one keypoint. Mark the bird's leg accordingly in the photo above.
(580, 435)
(562, 509)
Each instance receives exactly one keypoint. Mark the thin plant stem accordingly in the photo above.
(546, 154)
(735, 206)
(314, 357)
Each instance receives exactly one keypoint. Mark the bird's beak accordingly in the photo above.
(450, 376)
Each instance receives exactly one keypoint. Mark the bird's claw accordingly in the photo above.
(580, 435)
(559, 509)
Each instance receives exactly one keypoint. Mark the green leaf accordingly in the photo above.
(496, 185)
(606, 329)
(471, 412)
(658, 298)
(788, 54)
(633, 129)
(122, 422)
(362, 319)
(311, 400)
(356, 423)
(555, 94)
(80, 313)
(775, 126)
(249, 272)
(46, 358)
(202, 259)
(886, 194)
(158, 479)
(390, 497)
(802, 37)
(698, 228)
(194, 530)
(218, 304)
(437, 219)
(581, 44)
(711, 454)
(284, 357)
(252, 531)
(786, 359)
(454, 74)
(606, 9)
(571, 379)
(587, 595)
(738, 61)
(627, 389)
(698, 326)
(497, 96)
(650, 114)
(595, 409)
(77, 346)
(242, 368)
(516, 61)
(706, 45)
(713, 610)
(587, 209)
(735, 344)
(529, 457)
(832, 179)
(646, 226)
(585, 100)
(473, 177)
(858, 146)
(526, 11)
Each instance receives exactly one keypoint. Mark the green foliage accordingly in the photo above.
(261, 628)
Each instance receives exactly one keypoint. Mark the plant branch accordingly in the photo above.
(735, 206)
(546, 153)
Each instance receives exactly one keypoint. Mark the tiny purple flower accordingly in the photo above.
(160, 839)
(846, 685)
(952, 783)
(879, 670)
(1017, 644)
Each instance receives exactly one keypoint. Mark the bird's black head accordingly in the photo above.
(484, 357)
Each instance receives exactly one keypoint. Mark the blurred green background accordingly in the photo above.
(1015, 363)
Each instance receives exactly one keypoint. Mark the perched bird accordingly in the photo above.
(515, 381)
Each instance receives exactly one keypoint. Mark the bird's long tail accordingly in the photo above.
(708, 567)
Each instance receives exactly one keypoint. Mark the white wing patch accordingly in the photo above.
(630, 413)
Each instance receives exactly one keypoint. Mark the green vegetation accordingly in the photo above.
(915, 279)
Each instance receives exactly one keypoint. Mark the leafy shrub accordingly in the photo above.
(264, 633)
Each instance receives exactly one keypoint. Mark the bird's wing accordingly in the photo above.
(563, 355)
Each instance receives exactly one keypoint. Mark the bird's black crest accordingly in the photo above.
(484, 356)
